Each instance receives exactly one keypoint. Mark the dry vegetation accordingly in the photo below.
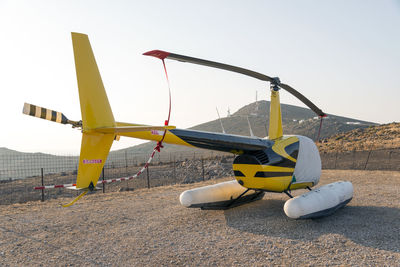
(374, 137)
(149, 227)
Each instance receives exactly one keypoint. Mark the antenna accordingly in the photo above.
(251, 131)
(222, 126)
(256, 103)
(255, 113)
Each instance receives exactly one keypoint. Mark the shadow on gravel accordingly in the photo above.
(376, 227)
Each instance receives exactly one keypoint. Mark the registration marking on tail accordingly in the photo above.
(92, 161)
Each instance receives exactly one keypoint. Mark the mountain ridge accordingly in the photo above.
(295, 120)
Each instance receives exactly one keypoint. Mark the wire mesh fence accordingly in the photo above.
(20, 174)
(379, 159)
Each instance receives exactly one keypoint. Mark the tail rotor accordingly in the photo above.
(50, 115)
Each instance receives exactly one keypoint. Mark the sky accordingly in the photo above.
(343, 55)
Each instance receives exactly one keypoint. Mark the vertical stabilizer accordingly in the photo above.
(96, 113)
(95, 108)
(94, 152)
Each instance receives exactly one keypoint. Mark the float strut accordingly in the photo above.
(234, 200)
(287, 193)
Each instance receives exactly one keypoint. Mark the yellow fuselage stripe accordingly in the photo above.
(276, 184)
(279, 147)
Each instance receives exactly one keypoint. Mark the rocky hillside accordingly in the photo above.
(373, 137)
(296, 120)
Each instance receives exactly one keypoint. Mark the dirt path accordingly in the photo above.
(149, 227)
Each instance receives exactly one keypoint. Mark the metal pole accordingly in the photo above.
(148, 177)
(126, 170)
(369, 153)
(104, 185)
(202, 167)
(336, 158)
(366, 162)
(390, 156)
(174, 168)
(42, 185)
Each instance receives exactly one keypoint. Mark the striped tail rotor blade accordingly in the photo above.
(44, 113)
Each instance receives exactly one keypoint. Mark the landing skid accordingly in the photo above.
(327, 212)
(320, 202)
(224, 205)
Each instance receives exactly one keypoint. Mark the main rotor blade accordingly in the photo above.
(303, 99)
(162, 55)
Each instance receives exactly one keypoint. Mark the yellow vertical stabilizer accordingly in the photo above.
(96, 113)
(94, 152)
(95, 108)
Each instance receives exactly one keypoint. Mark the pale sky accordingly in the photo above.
(343, 55)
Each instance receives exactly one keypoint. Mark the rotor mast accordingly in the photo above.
(275, 116)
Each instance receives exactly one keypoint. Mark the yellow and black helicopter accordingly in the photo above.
(277, 163)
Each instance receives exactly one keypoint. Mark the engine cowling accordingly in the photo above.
(292, 162)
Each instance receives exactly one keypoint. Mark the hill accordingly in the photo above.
(296, 120)
(373, 137)
(9, 152)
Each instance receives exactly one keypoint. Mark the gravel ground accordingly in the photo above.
(149, 227)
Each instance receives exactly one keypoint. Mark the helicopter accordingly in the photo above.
(277, 163)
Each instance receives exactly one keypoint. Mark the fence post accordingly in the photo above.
(126, 170)
(42, 185)
(202, 167)
(366, 162)
(148, 177)
(104, 189)
(174, 168)
(336, 158)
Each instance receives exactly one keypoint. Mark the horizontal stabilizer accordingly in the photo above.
(131, 129)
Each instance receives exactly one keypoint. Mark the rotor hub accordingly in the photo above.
(275, 84)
